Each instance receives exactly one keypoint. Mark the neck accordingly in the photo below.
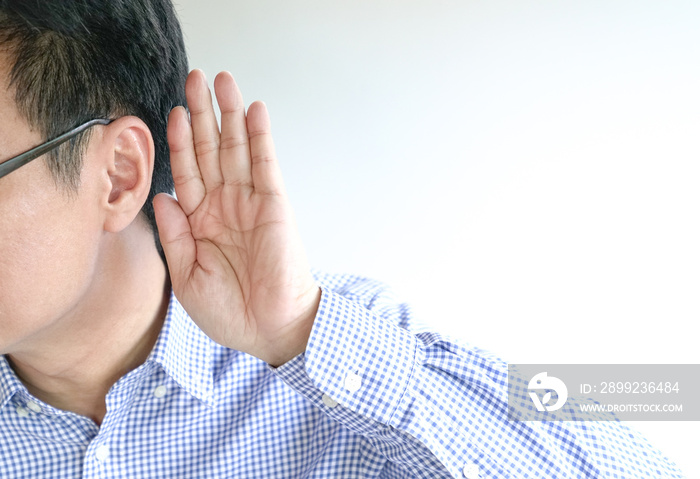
(110, 331)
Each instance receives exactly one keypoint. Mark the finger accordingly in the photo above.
(176, 238)
(234, 148)
(267, 177)
(189, 185)
(205, 129)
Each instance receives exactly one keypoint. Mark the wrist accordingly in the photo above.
(294, 340)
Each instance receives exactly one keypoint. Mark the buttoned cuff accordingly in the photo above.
(356, 359)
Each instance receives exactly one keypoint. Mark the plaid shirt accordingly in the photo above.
(373, 396)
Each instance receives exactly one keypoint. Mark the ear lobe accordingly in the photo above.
(130, 170)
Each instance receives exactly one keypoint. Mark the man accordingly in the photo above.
(234, 360)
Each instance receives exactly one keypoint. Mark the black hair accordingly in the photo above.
(75, 60)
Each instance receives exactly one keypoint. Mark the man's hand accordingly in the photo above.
(234, 253)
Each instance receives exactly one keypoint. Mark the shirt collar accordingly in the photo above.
(9, 382)
(182, 350)
(185, 353)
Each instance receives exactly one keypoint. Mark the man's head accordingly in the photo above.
(76, 228)
(76, 60)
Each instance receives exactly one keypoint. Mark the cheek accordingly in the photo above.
(47, 257)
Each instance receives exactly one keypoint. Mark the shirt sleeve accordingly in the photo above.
(437, 408)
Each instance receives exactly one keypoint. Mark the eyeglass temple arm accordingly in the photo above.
(20, 160)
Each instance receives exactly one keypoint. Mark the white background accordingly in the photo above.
(525, 173)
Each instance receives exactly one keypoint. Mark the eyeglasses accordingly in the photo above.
(22, 159)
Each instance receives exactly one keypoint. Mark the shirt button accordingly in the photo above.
(471, 471)
(329, 401)
(22, 411)
(34, 406)
(160, 391)
(102, 452)
(353, 382)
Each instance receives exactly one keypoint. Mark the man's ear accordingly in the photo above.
(129, 157)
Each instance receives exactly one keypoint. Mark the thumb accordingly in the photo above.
(175, 237)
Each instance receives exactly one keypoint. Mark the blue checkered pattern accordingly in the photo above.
(374, 396)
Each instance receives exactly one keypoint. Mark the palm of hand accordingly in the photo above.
(234, 253)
